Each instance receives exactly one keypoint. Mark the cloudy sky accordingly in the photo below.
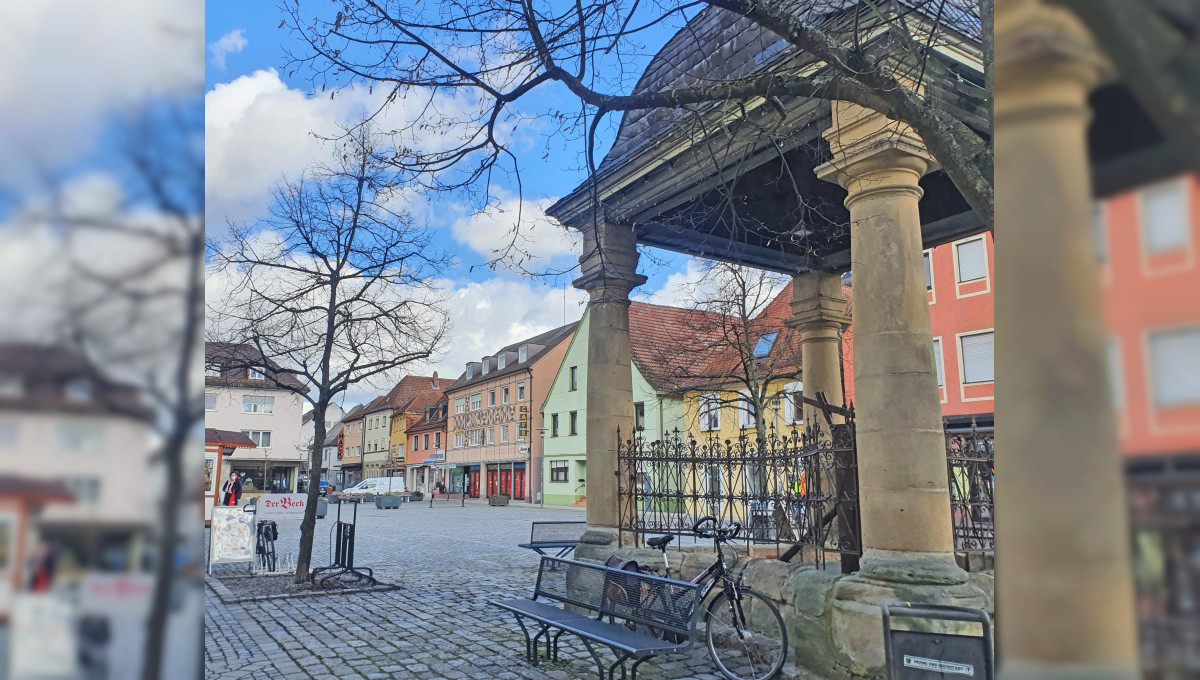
(261, 125)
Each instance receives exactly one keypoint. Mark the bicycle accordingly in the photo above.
(744, 631)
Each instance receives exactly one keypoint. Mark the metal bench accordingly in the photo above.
(560, 536)
(647, 616)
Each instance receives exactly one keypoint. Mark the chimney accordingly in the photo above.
(434, 381)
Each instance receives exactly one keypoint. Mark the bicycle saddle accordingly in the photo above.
(660, 541)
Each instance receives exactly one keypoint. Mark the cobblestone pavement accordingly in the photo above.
(449, 561)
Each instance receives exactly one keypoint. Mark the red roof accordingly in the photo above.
(678, 348)
(38, 490)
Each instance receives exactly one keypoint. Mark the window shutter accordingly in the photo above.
(928, 271)
(1164, 217)
(972, 260)
(1175, 356)
(978, 353)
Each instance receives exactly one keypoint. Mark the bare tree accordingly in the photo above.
(478, 69)
(140, 313)
(734, 343)
(337, 285)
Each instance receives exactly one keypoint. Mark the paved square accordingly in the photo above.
(449, 561)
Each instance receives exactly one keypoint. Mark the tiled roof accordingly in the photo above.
(407, 389)
(655, 336)
(678, 348)
(35, 490)
(45, 375)
(355, 413)
(546, 341)
(331, 437)
(235, 358)
(717, 45)
(416, 411)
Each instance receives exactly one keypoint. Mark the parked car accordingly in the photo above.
(324, 487)
(374, 485)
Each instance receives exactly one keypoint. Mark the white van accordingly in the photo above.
(375, 485)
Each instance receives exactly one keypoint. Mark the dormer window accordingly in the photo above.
(522, 354)
(256, 373)
(485, 365)
(79, 390)
(766, 341)
(212, 370)
(470, 371)
(500, 362)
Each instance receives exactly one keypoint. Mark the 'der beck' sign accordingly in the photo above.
(281, 506)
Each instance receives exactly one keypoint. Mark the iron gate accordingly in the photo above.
(797, 490)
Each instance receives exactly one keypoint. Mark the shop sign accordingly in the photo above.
(281, 506)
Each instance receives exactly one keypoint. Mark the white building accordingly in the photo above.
(333, 415)
(62, 420)
(245, 392)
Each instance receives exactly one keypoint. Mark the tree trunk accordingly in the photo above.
(164, 567)
(308, 525)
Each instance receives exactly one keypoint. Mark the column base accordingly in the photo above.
(597, 543)
(886, 577)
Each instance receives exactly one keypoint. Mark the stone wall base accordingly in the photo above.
(834, 622)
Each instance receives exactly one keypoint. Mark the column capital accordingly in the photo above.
(817, 303)
(608, 265)
(873, 154)
(1048, 62)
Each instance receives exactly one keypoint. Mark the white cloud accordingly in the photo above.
(488, 315)
(232, 42)
(71, 65)
(491, 230)
(679, 288)
(258, 130)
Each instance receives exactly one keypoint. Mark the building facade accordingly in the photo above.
(351, 448)
(377, 420)
(1147, 242)
(658, 410)
(247, 393)
(959, 285)
(64, 423)
(494, 417)
(425, 429)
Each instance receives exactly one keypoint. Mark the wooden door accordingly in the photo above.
(474, 488)
(491, 482)
(506, 483)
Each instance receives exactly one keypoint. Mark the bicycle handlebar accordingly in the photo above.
(727, 533)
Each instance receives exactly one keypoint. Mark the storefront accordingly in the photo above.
(470, 475)
(506, 479)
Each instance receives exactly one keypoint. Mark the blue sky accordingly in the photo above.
(258, 118)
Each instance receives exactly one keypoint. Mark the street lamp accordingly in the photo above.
(542, 468)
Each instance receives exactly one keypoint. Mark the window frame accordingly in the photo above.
(215, 398)
(958, 274)
(573, 424)
(1182, 185)
(553, 424)
(710, 407)
(962, 360)
(260, 370)
(557, 467)
(573, 383)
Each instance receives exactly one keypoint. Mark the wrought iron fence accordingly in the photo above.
(971, 464)
(797, 490)
(1165, 519)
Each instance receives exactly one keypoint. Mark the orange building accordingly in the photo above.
(1146, 240)
(958, 280)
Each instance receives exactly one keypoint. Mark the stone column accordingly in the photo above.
(819, 313)
(904, 492)
(609, 273)
(1065, 586)
(904, 497)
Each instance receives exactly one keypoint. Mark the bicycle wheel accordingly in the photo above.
(746, 637)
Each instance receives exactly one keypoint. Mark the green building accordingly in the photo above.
(658, 408)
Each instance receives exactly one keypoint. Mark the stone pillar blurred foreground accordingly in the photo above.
(1064, 576)
(609, 273)
(904, 497)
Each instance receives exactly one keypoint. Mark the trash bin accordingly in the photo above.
(945, 650)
